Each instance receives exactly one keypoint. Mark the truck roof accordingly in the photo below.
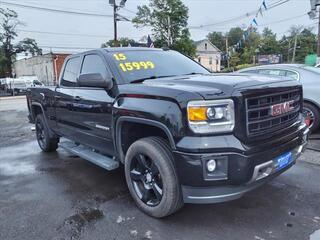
(118, 49)
(122, 49)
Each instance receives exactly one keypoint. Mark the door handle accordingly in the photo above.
(56, 97)
(77, 98)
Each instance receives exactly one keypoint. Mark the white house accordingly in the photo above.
(208, 55)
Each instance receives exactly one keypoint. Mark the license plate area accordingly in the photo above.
(283, 161)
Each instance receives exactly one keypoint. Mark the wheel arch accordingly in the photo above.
(317, 105)
(148, 124)
(37, 108)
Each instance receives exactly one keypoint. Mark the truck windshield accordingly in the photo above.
(141, 65)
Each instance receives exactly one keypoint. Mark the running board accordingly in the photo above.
(88, 154)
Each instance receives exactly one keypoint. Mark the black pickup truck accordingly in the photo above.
(183, 134)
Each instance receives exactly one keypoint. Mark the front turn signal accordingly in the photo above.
(197, 114)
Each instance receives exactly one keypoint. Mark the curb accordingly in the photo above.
(13, 97)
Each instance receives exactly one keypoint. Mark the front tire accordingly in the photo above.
(46, 143)
(312, 116)
(151, 177)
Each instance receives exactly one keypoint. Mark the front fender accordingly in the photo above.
(163, 114)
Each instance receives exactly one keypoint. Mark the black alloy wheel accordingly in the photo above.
(146, 180)
(152, 178)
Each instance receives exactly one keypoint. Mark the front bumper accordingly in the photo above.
(245, 171)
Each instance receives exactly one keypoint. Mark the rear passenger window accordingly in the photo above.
(93, 64)
(292, 75)
(273, 72)
(70, 73)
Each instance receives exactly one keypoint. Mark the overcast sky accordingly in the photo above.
(100, 29)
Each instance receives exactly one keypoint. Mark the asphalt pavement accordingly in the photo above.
(60, 196)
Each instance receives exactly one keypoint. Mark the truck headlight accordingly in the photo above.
(214, 116)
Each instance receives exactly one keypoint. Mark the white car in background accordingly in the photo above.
(318, 66)
(308, 76)
(14, 86)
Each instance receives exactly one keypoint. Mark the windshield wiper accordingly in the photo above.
(149, 78)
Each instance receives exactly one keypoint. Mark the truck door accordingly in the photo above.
(63, 97)
(92, 108)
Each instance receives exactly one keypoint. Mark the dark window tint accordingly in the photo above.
(93, 64)
(140, 64)
(71, 72)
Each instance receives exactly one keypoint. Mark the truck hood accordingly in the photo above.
(211, 86)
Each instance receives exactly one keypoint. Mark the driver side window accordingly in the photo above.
(94, 64)
(70, 74)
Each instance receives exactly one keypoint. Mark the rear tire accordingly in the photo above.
(154, 184)
(46, 143)
(312, 112)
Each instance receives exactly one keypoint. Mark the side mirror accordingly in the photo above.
(94, 80)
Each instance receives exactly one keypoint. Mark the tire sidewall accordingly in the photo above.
(167, 171)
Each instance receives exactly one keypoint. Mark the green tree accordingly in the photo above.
(185, 45)
(168, 20)
(8, 50)
(28, 45)
(218, 39)
(269, 43)
(124, 41)
(234, 36)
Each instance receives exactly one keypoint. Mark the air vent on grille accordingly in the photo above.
(260, 118)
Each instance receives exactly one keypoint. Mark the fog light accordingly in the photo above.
(211, 165)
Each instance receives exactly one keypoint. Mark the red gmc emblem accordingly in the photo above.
(281, 108)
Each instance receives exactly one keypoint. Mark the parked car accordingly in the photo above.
(15, 86)
(318, 66)
(308, 76)
(182, 134)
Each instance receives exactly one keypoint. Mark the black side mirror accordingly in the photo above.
(95, 80)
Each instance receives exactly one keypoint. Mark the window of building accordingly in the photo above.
(206, 46)
(71, 71)
(199, 59)
(210, 61)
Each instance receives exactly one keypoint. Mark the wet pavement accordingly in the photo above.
(60, 196)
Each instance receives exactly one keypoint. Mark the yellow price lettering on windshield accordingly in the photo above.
(119, 56)
(130, 66)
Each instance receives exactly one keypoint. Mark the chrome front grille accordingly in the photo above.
(260, 119)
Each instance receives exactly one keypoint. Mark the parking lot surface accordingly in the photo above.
(61, 196)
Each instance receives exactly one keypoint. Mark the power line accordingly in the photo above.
(271, 6)
(282, 20)
(64, 34)
(56, 10)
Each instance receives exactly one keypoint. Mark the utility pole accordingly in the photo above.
(295, 48)
(169, 32)
(318, 49)
(289, 48)
(115, 39)
(227, 51)
(117, 17)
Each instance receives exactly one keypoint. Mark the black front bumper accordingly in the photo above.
(246, 168)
